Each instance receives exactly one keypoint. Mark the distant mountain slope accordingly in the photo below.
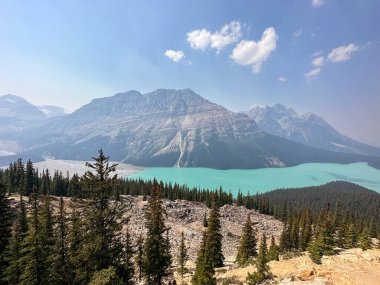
(17, 114)
(359, 202)
(308, 129)
(167, 128)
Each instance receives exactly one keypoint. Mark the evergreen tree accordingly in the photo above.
(102, 242)
(5, 225)
(306, 232)
(339, 224)
(350, 236)
(157, 257)
(324, 241)
(13, 253)
(364, 239)
(28, 179)
(263, 271)
(128, 251)
(247, 246)
(47, 239)
(32, 260)
(274, 251)
(285, 239)
(214, 238)
(60, 265)
(75, 238)
(140, 255)
(205, 222)
(204, 271)
(182, 257)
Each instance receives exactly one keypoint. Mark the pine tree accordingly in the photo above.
(128, 251)
(47, 238)
(339, 223)
(75, 238)
(13, 253)
(350, 236)
(157, 257)
(364, 239)
(324, 241)
(214, 237)
(247, 246)
(182, 257)
(205, 222)
(5, 225)
(263, 271)
(60, 265)
(295, 230)
(32, 260)
(204, 271)
(306, 233)
(274, 251)
(285, 239)
(102, 243)
(29, 179)
(140, 255)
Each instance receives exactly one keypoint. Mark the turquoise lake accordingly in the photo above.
(266, 179)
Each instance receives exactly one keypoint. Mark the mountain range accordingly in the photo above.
(162, 128)
(307, 128)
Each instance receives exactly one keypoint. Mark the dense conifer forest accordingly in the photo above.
(83, 243)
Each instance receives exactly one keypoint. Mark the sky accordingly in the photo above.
(320, 56)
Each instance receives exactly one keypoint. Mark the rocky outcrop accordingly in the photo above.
(187, 217)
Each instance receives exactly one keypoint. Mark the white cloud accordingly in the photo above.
(175, 56)
(312, 73)
(199, 39)
(282, 79)
(317, 3)
(203, 39)
(297, 33)
(318, 61)
(342, 53)
(255, 53)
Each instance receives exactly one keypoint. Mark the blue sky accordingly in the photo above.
(320, 56)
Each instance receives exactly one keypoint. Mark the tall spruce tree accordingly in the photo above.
(139, 255)
(214, 237)
(13, 252)
(60, 266)
(263, 271)
(102, 244)
(364, 239)
(247, 246)
(274, 251)
(306, 229)
(324, 237)
(128, 251)
(204, 271)
(5, 225)
(157, 257)
(182, 257)
(33, 259)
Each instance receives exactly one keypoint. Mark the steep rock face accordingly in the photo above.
(166, 128)
(308, 129)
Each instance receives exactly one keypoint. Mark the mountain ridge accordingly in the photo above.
(306, 128)
(167, 127)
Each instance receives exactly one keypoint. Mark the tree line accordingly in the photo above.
(82, 241)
